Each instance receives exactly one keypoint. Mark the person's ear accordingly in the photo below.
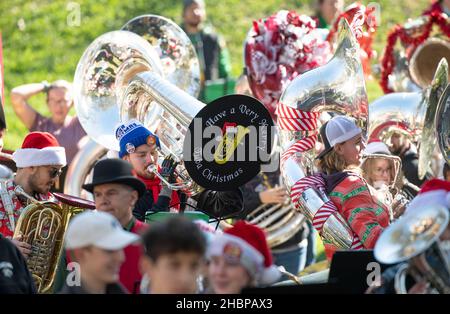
(33, 169)
(134, 197)
(339, 148)
(145, 265)
(79, 254)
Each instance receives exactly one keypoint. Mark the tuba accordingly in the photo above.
(279, 221)
(103, 89)
(442, 123)
(413, 67)
(43, 226)
(412, 114)
(337, 86)
(415, 238)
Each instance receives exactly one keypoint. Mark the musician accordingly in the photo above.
(240, 258)
(339, 161)
(211, 49)
(39, 162)
(140, 148)
(67, 129)
(402, 147)
(263, 190)
(96, 241)
(116, 191)
(380, 174)
(434, 191)
(174, 256)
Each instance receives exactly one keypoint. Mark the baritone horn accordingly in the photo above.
(337, 86)
(43, 225)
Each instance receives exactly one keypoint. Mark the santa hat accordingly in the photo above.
(246, 243)
(434, 191)
(376, 147)
(40, 149)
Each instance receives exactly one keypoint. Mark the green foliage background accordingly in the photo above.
(39, 43)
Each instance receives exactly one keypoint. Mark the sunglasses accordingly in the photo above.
(55, 173)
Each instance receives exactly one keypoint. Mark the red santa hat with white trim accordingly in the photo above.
(40, 149)
(434, 191)
(246, 243)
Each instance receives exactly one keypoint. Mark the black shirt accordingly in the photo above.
(15, 278)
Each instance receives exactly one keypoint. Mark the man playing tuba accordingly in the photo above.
(39, 162)
(140, 147)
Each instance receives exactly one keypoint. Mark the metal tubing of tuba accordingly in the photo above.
(442, 124)
(337, 86)
(43, 226)
(104, 73)
(412, 114)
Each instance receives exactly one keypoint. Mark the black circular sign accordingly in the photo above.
(227, 142)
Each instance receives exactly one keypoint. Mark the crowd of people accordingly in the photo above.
(118, 248)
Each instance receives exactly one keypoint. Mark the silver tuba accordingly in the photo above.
(442, 123)
(104, 97)
(415, 238)
(337, 86)
(412, 114)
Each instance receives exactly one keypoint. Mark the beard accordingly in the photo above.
(39, 189)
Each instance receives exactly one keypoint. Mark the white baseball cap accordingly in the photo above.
(98, 229)
(337, 130)
(376, 147)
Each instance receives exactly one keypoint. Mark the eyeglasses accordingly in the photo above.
(55, 173)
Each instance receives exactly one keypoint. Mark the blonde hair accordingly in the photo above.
(368, 167)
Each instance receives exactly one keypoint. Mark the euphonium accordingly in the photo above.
(103, 75)
(43, 226)
(337, 86)
(412, 114)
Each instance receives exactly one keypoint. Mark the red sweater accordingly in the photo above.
(366, 216)
(129, 275)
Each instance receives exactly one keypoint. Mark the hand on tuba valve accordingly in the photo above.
(168, 173)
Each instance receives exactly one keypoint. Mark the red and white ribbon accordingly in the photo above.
(297, 120)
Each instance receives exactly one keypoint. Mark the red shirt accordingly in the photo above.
(129, 275)
(6, 225)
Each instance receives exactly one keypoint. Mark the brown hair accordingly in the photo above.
(332, 162)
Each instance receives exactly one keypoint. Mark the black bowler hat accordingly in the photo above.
(115, 170)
